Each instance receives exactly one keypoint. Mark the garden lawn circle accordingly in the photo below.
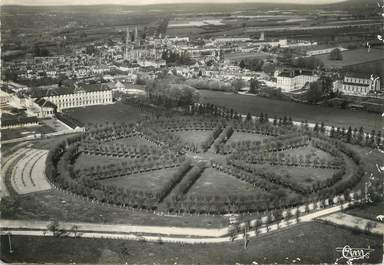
(199, 164)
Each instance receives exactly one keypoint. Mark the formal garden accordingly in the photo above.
(206, 159)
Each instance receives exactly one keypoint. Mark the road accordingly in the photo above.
(152, 233)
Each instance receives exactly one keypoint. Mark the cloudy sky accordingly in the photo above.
(147, 2)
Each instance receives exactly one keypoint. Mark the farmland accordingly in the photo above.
(353, 57)
(330, 116)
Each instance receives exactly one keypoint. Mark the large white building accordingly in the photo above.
(359, 85)
(318, 51)
(81, 99)
(295, 79)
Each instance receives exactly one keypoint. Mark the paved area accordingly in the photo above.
(355, 222)
(28, 172)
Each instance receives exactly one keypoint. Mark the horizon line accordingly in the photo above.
(189, 2)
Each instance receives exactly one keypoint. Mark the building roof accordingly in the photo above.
(45, 103)
(358, 75)
(295, 72)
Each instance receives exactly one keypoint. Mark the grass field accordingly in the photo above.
(86, 161)
(215, 183)
(353, 57)
(151, 181)
(102, 114)
(194, 136)
(330, 116)
(368, 211)
(241, 136)
(309, 150)
(305, 176)
(14, 133)
(56, 204)
(135, 140)
(313, 243)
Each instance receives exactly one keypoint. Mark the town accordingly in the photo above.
(160, 128)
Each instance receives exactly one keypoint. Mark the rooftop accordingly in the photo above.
(45, 103)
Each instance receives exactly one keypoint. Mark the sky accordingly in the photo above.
(148, 2)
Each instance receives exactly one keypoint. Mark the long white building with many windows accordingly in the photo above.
(295, 79)
(359, 85)
(81, 99)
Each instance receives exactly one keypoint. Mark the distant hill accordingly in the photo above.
(207, 7)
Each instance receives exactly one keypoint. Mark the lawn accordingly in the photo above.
(330, 116)
(134, 140)
(194, 136)
(353, 57)
(215, 183)
(309, 150)
(242, 136)
(313, 243)
(102, 114)
(86, 161)
(13, 133)
(55, 204)
(152, 180)
(305, 176)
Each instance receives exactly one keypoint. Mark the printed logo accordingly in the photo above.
(351, 254)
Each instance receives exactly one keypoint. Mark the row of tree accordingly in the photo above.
(223, 137)
(188, 180)
(206, 144)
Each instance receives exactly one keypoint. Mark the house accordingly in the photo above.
(43, 108)
(325, 50)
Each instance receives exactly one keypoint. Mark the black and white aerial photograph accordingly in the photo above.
(192, 132)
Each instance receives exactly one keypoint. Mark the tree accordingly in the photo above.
(238, 84)
(336, 55)
(268, 68)
(254, 86)
(242, 64)
(349, 134)
(315, 92)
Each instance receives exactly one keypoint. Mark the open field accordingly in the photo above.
(302, 175)
(241, 136)
(215, 183)
(135, 140)
(56, 204)
(309, 150)
(312, 113)
(305, 176)
(14, 133)
(310, 242)
(114, 113)
(86, 161)
(353, 57)
(194, 136)
(368, 211)
(152, 180)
